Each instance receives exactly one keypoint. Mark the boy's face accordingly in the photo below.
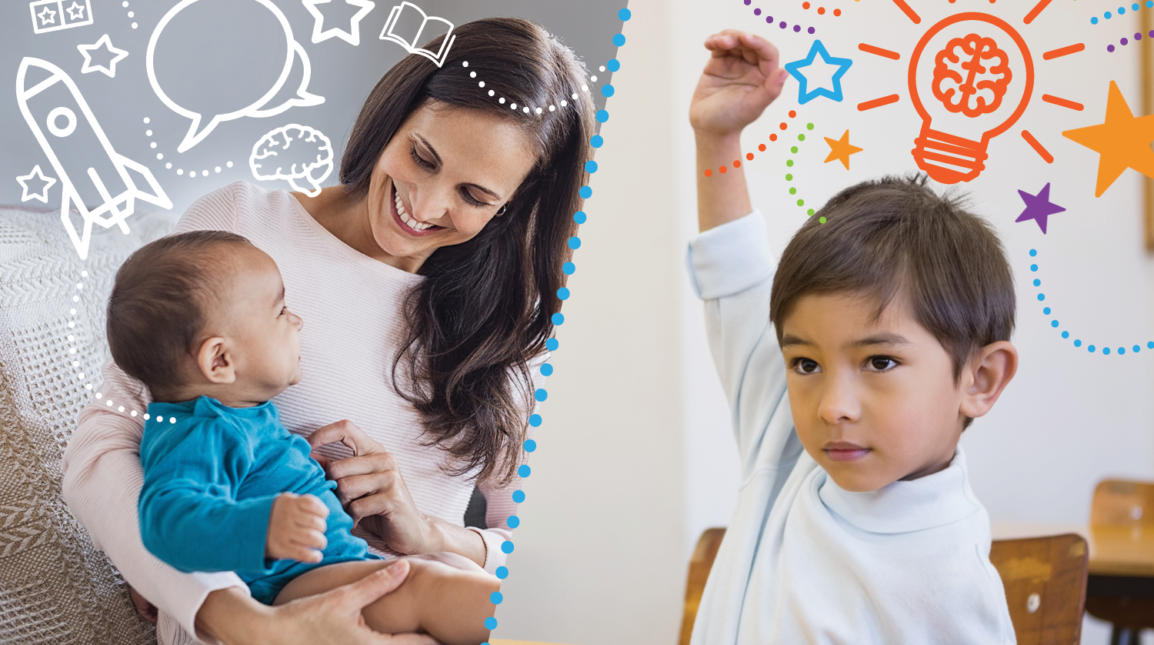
(263, 334)
(872, 404)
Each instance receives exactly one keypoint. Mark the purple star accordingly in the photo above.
(1038, 207)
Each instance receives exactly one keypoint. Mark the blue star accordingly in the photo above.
(794, 70)
(1038, 207)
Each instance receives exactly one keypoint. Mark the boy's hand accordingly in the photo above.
(740, 80)
(296, 528)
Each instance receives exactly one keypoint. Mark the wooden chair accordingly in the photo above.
(1045, 581)
(1120, 503)
(699, 566)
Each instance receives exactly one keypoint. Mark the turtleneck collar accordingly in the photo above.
(904, 506)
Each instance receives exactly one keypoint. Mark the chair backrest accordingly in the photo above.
(1045, 581)
(699, 567)
(1044, 578)
(1120, 502)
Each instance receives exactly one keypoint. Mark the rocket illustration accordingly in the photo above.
(72, 139)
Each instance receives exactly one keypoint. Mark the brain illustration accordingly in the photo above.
(971, 75)
(296, 153)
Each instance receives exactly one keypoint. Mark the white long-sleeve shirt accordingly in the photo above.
(353, 325)
(805, 561)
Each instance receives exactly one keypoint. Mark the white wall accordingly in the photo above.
(636, 454)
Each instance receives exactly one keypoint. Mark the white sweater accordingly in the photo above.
(353, 326)
(805, 561)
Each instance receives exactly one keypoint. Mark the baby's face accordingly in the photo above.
(264, 335)
(872, 404)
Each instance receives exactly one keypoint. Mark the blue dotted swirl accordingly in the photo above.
(1065, 334)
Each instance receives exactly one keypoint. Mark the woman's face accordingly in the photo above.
(443, 176)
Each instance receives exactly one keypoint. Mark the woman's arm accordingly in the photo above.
(102, 481)
(331, 618)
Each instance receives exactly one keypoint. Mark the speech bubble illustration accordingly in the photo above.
(203, 123)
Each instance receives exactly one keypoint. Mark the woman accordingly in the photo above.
(429, 279)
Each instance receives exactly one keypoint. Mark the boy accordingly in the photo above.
(201, 319)
(855, 522)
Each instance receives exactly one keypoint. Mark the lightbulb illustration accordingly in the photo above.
(979, 76)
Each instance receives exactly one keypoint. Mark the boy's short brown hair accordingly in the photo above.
(158, 303)
(896, 235)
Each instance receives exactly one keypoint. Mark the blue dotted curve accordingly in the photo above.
(552, 344)
(1122, 11)
(1065, 334)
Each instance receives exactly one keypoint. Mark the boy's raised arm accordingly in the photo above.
(743, 76)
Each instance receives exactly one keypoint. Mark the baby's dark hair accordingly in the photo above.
(895, 234)
(158, 303)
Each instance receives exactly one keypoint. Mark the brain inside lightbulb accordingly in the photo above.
(971, 75)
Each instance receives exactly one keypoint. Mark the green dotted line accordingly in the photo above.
(789, 176)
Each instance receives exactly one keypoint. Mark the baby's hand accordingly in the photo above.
(740, 80)
(296, 528)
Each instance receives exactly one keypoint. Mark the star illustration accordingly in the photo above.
(1122, 142)
(841, 149)
(104, 43)
(794, 69)
(353, 35)
(1038, 207)
(75, 12)
(47, 16)
(45, 184)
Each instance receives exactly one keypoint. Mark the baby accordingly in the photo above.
(200, 318)
(851, 369)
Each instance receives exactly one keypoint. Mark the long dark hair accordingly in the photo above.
(485, 307)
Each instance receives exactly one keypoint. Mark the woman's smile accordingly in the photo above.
(404, 220)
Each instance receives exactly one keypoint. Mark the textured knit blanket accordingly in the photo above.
(55, 586)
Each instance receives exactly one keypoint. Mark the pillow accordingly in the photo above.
(55, 586)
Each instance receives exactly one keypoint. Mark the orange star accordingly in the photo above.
(1122, 142)
(841, 149)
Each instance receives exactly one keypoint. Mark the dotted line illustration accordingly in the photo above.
(540, 395)
(78, 371)
(821, 10)
(179, 171)
(1065, 334)
(749, 155)
(1124, 41)
(789, 176)
(131, 14)
(782, 24)
(1121, 11)
(613, 65)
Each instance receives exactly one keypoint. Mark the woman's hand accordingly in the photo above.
(741, 79)
(146, 609)
(330, 618)
(372, 490)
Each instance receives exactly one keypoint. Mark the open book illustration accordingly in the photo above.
(405, 25)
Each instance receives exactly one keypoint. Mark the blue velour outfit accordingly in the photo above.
(210, 479)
